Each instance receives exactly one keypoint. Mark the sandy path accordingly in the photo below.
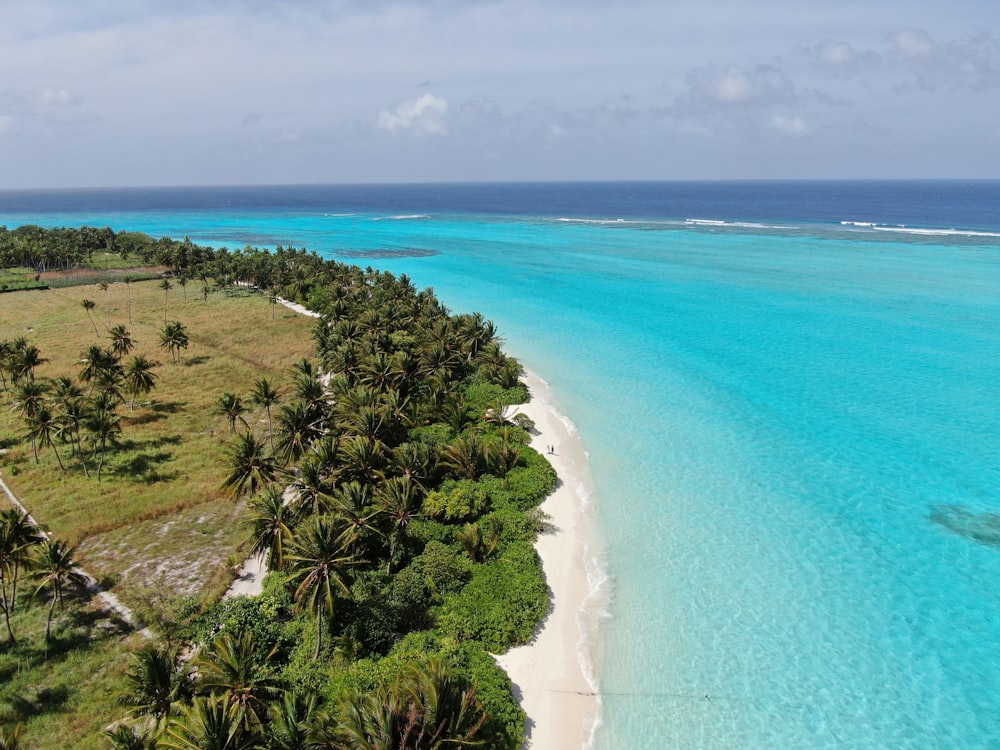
(110, 601)
(549, 679)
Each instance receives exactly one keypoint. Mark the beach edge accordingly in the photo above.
(555, 676)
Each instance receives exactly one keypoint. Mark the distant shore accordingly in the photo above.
(554, 676)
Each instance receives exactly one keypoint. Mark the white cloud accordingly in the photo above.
(913, 43)
(57, 97)
(733, 86)
(837, 53)
(424, 114)
(712, 89)
(6, 123)
(792, 127)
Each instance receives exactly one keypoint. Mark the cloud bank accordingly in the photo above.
(97, 92)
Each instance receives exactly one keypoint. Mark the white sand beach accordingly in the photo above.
(561, 702)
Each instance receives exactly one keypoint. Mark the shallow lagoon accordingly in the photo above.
(793, 432)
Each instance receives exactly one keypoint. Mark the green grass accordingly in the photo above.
(15, 279)
(159, 521)
(64, 692)
(174, 448)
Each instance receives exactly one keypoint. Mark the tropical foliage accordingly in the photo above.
(391, 492)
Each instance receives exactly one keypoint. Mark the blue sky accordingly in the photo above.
(135, 92)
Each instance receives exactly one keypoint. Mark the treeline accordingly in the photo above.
(81, 413)
(393, 492)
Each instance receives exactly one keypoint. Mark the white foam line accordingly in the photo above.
(935, 232)
(735, 224)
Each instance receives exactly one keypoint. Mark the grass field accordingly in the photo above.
(159, 501)
(158, 525)
(12, 279)
(64, 694)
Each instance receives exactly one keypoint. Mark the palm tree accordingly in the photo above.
(128, 286)
(311, 488)
(104, 426)
(471, 538)
(127, 737)
(55, 567)
(173, 336)
(121, 340)
(18, 536)
(139, 377)
(103, 286)
(65, 390)
(6, 361)
(270, 520)
(154, 682)
(210, 723)
(166, 286)
(25, 359)
(41, 426)
(89, 305)
(504, 455)
(232, 406)
(29, 397)
(297, 428)
(73, 416)
(352, 505)
(266, 395)
(362, 460)
(291, 718)
(231, 667)
(426, 708)
(250, 467)
(466, 456)
(99, 365)
(414, 460)
(399, 500)
(317, 560)
(450, 714)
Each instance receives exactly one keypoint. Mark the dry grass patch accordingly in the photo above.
(174, 447)
(184, 553)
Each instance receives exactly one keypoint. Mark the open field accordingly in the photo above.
(159, 499)
(64, 694)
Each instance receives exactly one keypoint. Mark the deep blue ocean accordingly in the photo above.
(790, 396)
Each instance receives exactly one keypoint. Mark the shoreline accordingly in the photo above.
(554, 676)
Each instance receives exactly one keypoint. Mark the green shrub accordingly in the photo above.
(261, 616)
(503, 603)
(480, 395)
(513, 526)
(432, 435)
(422, 531)
(506, 723)
(457, 501)
(530, 484)
(445, 568)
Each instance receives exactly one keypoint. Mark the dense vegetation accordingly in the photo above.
(387, 484)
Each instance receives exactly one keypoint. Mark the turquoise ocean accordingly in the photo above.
(789, 394)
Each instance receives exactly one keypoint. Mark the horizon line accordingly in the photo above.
(459, 183)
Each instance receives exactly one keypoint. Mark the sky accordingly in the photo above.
(99, 93)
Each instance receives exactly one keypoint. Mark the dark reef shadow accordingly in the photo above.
(983, 528)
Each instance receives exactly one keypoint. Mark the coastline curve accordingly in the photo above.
(556, 675)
